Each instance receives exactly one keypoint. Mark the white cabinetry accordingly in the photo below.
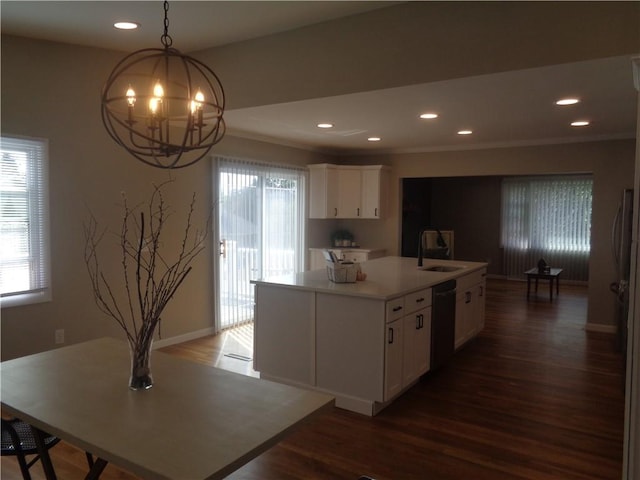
(364, 342)
(408, 341)
(374, 191)
(350, 345)
(378, 352)
(341, 191)
(274, 331)
(470, 303)
(394, 353)
(323, 191)
(349, 192)
(417, 337)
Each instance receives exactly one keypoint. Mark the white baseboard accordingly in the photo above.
(165, 342)
(600, 327)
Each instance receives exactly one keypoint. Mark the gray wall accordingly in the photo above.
(52, 91)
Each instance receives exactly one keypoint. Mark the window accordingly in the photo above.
(550, 218)
(24, 221)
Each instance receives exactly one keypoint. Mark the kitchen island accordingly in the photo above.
(365, 342)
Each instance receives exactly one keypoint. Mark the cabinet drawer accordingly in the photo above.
(356, 256)
(417, 300)
(395, 309)
(471, 279)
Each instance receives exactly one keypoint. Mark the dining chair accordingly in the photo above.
(18, 439)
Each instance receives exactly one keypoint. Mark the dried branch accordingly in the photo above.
(149, 278)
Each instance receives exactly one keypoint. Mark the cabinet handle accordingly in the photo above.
(335, 212)
(390, 335)
(375, 212)
(358, 211)
(419, 321)
(467, 297)
(420, 300)
(481, 291)
(397, 309)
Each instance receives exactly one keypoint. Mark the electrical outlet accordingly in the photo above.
(59, 336)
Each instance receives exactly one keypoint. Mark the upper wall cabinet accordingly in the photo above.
(347, 191)
(323, 191)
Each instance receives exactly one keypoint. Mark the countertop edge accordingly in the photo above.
(355, 289)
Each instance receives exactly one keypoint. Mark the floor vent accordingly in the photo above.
(237, 356)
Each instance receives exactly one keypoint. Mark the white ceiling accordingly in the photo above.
(511, 108)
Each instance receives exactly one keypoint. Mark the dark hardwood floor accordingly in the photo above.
(534, 396)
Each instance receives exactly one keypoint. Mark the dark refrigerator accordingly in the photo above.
(621, 250)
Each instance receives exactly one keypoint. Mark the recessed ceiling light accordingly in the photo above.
(325, 125)
(567, 101)
(126, 25)
(374, 139)
(465, 132)
(580, 123)
(428, 116)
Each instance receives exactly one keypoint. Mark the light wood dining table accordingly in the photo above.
(196, 422)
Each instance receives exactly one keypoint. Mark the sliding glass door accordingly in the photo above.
(260, 232)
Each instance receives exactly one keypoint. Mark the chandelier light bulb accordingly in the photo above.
(196, 103)
(158, 91)
(131, 97)
(153, 105)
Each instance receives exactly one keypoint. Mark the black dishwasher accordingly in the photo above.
(443, 323)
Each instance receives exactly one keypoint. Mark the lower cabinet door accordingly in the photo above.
(393, 359)
(417, 345)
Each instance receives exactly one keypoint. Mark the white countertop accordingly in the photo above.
(387, 277)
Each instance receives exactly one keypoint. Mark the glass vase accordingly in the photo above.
(141, 378)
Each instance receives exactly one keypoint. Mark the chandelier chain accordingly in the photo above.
(166, 38)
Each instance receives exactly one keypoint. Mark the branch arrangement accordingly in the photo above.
(149, 279)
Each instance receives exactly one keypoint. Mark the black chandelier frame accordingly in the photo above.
(172, 130)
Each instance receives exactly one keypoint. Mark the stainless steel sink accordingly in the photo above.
(441, 268)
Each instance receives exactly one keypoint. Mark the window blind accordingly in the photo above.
(550, 218)
(24, 221)
(261, 230)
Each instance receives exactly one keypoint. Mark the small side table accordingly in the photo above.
(553, 274)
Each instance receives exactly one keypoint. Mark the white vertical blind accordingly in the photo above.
(24, 221)
(549, 218)
(261, 227)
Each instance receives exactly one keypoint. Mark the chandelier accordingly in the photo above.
(163, 107)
